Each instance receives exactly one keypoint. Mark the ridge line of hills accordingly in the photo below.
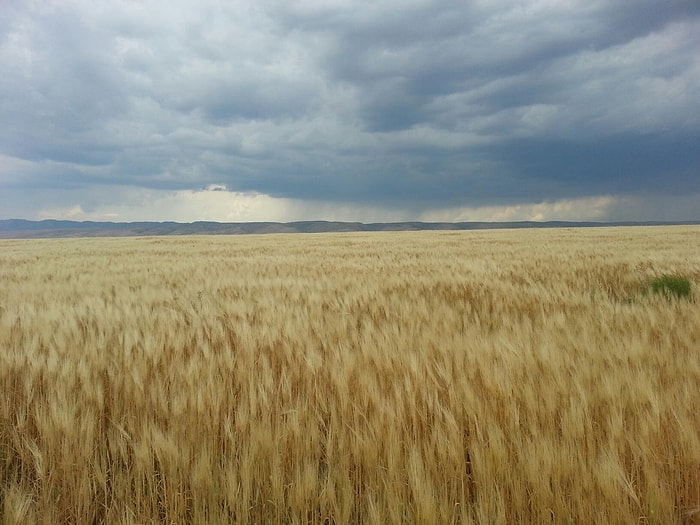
(27, 229)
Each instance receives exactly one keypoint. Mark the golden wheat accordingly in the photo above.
(438, 377)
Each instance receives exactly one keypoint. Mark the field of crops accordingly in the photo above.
(490, 377)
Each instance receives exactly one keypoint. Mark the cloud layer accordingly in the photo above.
(353, 110)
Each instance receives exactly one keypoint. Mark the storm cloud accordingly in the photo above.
(347, 109)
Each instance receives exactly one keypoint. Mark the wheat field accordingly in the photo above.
(487, 377)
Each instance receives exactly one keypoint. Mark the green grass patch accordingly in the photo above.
(671, 286)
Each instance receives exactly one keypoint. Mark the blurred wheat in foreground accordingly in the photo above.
(435, 377)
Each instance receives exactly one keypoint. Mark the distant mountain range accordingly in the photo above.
(24, 229)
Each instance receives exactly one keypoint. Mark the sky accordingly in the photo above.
(356, 110)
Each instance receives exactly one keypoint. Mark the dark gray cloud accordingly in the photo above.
(403, 105)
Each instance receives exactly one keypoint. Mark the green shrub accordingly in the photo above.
(672, 286)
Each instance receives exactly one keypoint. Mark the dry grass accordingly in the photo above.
(472, 377)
